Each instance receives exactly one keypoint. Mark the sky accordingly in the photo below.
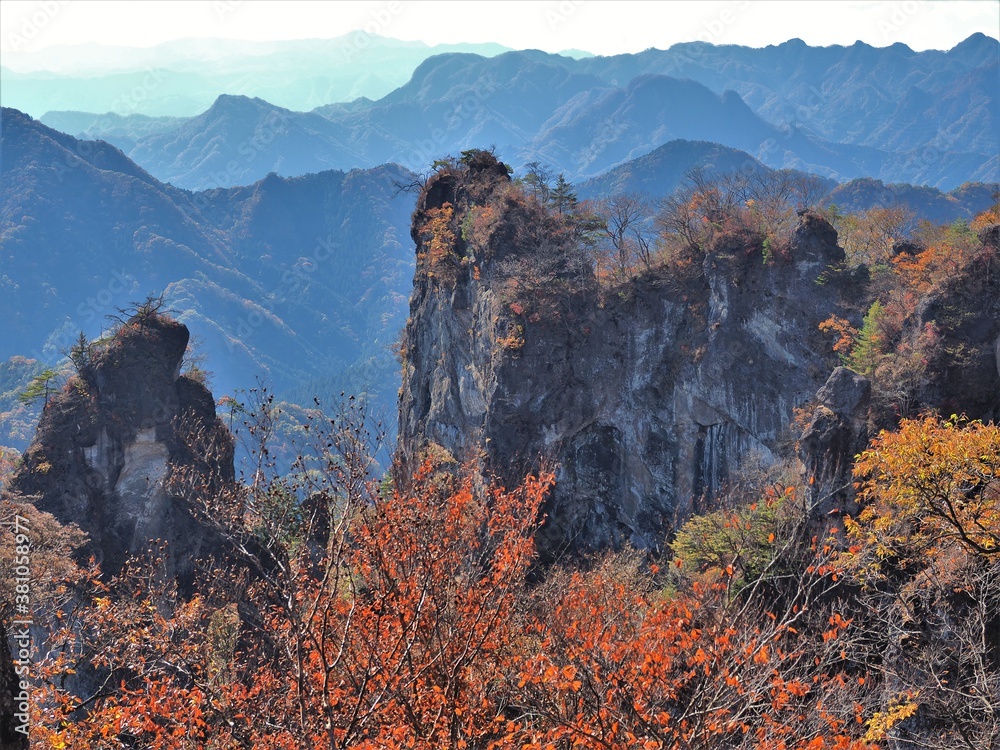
(597, 26)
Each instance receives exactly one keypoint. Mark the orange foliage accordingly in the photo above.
(843, 330)
(618, 667)
(396, 636)
(411, 625)
(438, 237)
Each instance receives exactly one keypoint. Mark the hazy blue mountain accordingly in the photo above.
(294, 279)
(121, 131)
(888, 98)
(964, 202)
(660, 172)
(842, 112)
(612, 125)
(663, 170)
(531, 106)
(184, 77)
(454, 102)
(154, 92)
(240, 140)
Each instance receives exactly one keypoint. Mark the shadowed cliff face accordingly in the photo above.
(108, 444)
(648, 397)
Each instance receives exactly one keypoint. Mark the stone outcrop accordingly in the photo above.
(107, 446)
(646, 398)
(963, 376)
(836, 433)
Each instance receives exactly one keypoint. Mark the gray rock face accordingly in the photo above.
(107, 445)
(846, 393)
(836, 433)
(964, 376)
(646, 401)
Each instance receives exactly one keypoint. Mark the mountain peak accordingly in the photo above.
(242, 105)
(978, 49)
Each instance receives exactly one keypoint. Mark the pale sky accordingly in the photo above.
(598, 26)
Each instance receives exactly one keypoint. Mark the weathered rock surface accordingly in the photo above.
(107, 445)
(646, 400)
(963, 377)
(836, 433)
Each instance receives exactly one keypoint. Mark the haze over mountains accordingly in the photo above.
(284, 320)
(842, 112)
(293, 261)
(183, 77)
(291, 280)
(301, 281)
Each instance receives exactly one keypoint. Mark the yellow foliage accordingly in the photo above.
(933, 484)
(882, 721)
(437, 235)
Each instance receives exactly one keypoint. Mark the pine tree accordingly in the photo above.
(562, 196)
(868, 346)
(40, 387)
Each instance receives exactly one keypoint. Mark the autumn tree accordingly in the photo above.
(538, 180)
(930, 485)
(924, 550)
(868, 237)
(612, 662)
(360, 614)
(630, 243)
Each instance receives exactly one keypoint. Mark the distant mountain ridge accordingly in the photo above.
(240, 140)
(964, 202)
(660, 172)
(184, 76)
(841, 112)
(664, 169)
(852, 94)
(291, 280)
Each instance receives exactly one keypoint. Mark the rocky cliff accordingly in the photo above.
(647, 396)
(109, 443)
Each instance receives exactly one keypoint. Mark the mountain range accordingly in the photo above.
(291, 280)
(303, 278)
(842, 112)
(664, 169)
(184, 76)
(301, 281)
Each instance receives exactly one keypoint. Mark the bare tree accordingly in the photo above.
(625, 214)
(538, 178)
